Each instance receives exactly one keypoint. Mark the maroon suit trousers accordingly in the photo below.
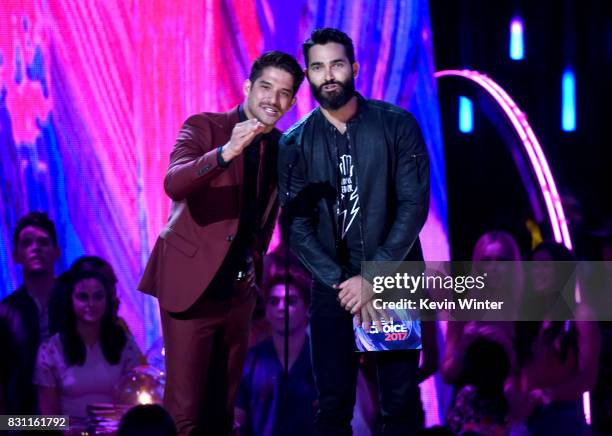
(205, 350)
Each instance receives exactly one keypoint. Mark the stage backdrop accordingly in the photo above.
(92, 94)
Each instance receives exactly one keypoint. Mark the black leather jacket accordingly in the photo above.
(392, 168)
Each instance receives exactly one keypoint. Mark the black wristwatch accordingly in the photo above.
(222, 163)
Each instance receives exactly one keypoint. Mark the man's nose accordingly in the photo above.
(328, 74)
(274, 98)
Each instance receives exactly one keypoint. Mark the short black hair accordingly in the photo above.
(147, 420)
(39, 220)
(328, 34)
(295, 279)
(278, 59)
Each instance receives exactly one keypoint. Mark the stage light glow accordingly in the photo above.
(144, 398)
(517, 44)
(568, 101)
(586, 402)
(538, 162)
(532, 147)
(466, 115)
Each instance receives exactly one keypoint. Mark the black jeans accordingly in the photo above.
(335, 365)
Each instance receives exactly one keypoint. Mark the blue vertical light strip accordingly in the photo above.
(568, 101)
(517, 43)
(466, 115)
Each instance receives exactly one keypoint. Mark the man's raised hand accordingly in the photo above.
(242, 135)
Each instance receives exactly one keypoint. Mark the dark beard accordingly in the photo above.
(337, 99)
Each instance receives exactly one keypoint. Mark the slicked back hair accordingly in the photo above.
(326, 35)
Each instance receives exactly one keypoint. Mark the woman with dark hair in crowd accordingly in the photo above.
(500, 250)
(558, 355)
(481, 404)
(479, 359)
(102, 267)
(82, 363)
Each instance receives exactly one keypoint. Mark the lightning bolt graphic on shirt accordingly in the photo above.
(349, 209)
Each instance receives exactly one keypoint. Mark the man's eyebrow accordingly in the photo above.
(331, 62)
(270, 83)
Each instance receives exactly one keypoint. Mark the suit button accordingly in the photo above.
(229, 238)
(203, 169)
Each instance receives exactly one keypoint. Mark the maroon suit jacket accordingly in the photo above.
(206, 210)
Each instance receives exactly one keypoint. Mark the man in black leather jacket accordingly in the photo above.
(354, 183)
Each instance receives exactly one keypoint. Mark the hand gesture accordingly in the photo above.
(242, 135)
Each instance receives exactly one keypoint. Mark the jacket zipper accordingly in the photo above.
(357, 184)
(338, 188)
(416, 157)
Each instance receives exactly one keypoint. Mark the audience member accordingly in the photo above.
(102, 267)
(83, 363)
(480, 404)
(462, 365)
(559, 358)
(274, 266)
(147, 420)
(501, 250)
(262, 406)
(550, 283)
(37, 302)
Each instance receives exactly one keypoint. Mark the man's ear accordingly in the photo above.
(246, 87)
(355, 69)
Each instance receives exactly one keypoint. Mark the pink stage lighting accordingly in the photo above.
(532, 147)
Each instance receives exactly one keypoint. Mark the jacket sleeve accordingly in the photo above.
(193, 161)
(299, 207)
(412, 190)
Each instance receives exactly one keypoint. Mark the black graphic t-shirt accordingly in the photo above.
(350, 251)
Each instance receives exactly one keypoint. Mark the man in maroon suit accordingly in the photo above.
(222, 180)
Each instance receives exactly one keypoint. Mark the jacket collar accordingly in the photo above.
(241, 114)
(233, 116)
